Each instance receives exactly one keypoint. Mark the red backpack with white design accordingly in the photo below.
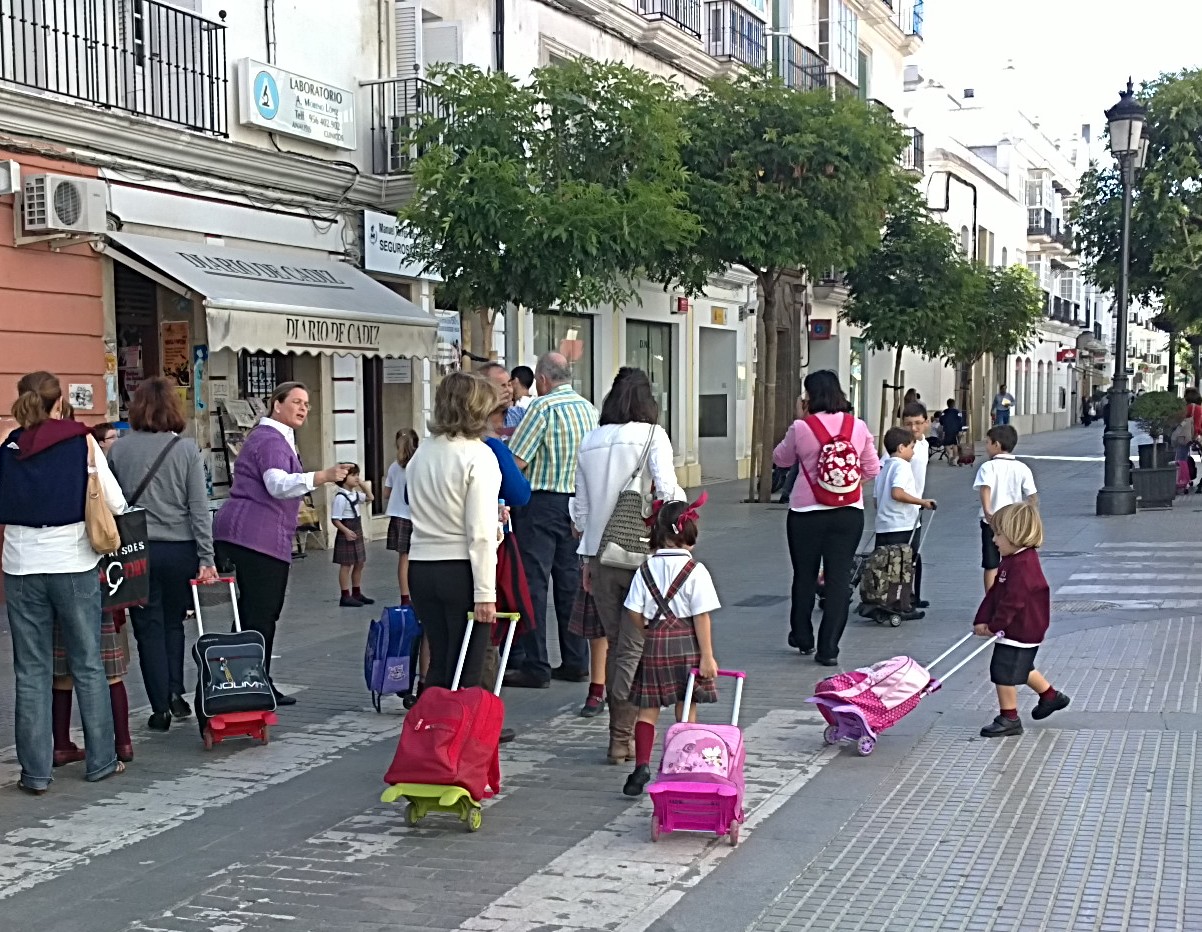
(836, 482)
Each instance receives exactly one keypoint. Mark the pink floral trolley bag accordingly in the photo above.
(699, 787)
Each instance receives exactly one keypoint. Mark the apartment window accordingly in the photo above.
(572, 336)
(735, 33)
(839, 38)
(260, 373)
(1005, 262)
(864, 64)
(965, 241)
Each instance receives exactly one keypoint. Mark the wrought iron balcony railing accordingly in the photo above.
(914, 156)
(140, 56)
(800, 67)
(398, 107)
(734, 33)
(684, 14)
(1039, 221)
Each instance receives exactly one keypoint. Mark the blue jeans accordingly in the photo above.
(33, 603)
(1002, 416)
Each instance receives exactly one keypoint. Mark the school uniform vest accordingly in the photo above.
(251, 517)
(46, 490)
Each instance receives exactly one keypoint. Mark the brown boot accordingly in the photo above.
(622, 716)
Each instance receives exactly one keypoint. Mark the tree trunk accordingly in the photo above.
(757, 429)
(487, 318)
(769, 368)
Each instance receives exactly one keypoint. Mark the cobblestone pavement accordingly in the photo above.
(1085, 822)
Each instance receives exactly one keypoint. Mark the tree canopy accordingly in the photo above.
(559, 192)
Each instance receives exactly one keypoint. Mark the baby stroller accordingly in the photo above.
(861, 704)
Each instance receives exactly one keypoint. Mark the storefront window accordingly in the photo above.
(649, 347)
(571, 335)
(260, 373)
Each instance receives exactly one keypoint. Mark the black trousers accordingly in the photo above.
(443, 596)
(548, 547)
(903, 537)
(262, 584)
(159, 624)
(826, 539)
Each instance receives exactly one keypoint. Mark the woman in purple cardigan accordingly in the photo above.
(253, 530)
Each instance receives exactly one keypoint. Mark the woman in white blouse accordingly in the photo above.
(607, 459)
(50, 573)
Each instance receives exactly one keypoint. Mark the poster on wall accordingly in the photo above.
(80, 396)
(177, 351)
(398, 371)
(448, 350)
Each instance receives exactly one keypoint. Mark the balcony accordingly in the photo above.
(801, 68)
(398, 107)
(1063, 235)
(832, 286)
(736, 34)
(684, 15)
(1039, 223)
(141, 57)
(913, 157)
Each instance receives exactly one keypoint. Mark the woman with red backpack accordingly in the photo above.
(836, 454)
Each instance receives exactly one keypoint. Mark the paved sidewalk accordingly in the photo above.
(1086, 822)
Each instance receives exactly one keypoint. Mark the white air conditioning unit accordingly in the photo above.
(63, 204)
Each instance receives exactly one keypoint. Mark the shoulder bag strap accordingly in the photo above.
(644, 457)
(154, 468)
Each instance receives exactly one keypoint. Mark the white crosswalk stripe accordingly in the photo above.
(1138, 575)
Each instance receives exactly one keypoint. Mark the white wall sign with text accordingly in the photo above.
(288, 103)
(384, 247)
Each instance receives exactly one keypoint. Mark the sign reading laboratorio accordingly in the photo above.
(292, 105)
(385, 245)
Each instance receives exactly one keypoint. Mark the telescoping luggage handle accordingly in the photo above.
(918, 527)
(219, 581)
(937, 682)
(738, 675)
(513, 618)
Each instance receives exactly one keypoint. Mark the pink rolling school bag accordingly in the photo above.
(699, 787)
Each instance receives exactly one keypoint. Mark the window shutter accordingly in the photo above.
(441, 44)
(408, 39)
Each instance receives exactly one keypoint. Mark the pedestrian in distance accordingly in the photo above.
(350, 548)
(898, 499)
(952, 422)
(672, 597)
(1003, 406)
(521, 386)
(400, 526)
(1017, 607)
(1002, 480)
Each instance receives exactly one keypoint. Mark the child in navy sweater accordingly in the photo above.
(1019, 606)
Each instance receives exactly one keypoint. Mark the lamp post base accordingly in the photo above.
(1115, 502)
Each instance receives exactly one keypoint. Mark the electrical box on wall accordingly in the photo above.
(680, 304)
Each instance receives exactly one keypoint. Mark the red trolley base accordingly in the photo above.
(238, 724)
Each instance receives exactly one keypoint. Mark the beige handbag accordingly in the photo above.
(101, 525)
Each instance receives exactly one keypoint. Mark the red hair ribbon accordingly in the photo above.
(689, 514)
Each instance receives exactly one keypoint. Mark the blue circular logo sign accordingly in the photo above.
(267, 96)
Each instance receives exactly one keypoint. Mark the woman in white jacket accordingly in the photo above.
(607, 460)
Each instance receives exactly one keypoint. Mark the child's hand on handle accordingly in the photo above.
(708, 668)
(982, 631)
(930, 504)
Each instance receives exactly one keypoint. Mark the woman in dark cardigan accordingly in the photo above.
(253, 530)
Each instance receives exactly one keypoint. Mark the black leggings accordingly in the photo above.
(262, 584)
(442, 593)
(826, 539)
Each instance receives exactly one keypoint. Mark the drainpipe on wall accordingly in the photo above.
(498, 35)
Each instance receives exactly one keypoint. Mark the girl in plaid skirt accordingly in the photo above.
(672, 596)
(350, 549)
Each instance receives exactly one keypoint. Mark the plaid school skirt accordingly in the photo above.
(350, 552)
(400, 533)
(585, 622)
(114, 649)
(669, 653)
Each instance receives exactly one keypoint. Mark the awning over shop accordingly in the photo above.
(271, 302)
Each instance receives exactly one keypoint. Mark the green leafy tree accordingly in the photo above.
(911, 292)
(782, 180)
(1166, 218)
(559, 192)
(1000, 318)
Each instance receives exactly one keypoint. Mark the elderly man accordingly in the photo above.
(545, 445)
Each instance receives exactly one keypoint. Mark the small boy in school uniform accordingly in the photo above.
(1002, 480)
(916, 422)
(898, 500)
(1019, 608)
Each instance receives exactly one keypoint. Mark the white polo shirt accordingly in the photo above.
(697, 595)
(1009, 482)
(893, 516)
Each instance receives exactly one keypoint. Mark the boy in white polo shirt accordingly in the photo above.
(1002, 480)
(898, 499)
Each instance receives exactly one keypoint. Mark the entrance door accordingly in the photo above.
(716, 375)
(649, 347)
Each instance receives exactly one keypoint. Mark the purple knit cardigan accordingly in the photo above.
(251, 517)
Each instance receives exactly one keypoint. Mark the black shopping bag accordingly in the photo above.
(125, 573)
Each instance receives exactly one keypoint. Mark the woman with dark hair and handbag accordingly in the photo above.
(162, 472)
(619, 463)
(836, 455)
(254, 528)
(57, 498)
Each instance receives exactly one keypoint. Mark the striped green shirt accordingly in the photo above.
(549, 436)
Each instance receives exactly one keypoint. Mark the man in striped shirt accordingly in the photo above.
(545, 445)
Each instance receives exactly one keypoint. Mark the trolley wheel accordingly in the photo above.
(895, 621)
(207, 737)
(829, 734)
(733, 834)
(408, 701)
(265, 734)
(655, 829)
(475, 818)
(413, 814)
(865, 746)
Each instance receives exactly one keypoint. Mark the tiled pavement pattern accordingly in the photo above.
(1065, 831)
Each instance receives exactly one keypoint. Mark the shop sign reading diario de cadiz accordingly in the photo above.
(287, 103)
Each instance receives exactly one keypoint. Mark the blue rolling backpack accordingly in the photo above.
(391, 661)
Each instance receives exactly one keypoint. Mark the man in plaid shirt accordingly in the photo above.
(545, 445)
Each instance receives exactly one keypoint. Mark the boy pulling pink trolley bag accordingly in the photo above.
(699, 787)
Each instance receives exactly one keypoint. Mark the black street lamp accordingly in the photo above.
(1129, 144)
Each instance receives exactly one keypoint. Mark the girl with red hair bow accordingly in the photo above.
(672, 597)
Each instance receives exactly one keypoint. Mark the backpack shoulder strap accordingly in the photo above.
(818, 429)
(848, 427)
